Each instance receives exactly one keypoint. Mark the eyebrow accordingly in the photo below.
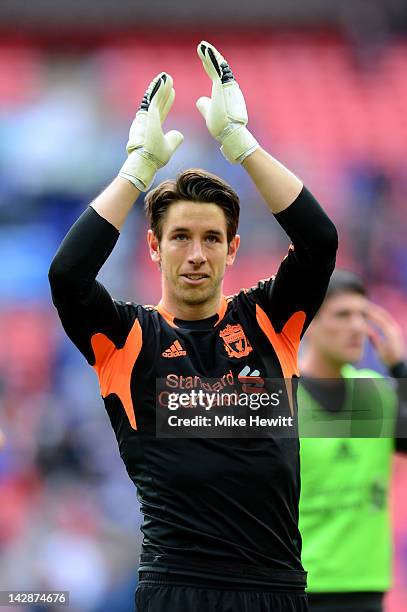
(179, 229)
(186, 229)
(214, 232)
(347, 310)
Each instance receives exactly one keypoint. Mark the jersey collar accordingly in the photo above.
(170, 318)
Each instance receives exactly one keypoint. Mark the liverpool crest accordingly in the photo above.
(235, 342)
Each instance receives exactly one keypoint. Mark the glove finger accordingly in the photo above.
(214, 63)
(153, 128)
(167, 105)
(160, 86)
(212, 68)
(161, 91)
(203, 105)
(174, 139)
(158, 104)
(145, 103)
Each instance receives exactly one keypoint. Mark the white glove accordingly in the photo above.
(225, 112)
(148, 147)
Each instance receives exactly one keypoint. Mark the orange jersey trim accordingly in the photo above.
(165, 315)
(286, 343)
(114, 367)
(222, 309)
(170, 318)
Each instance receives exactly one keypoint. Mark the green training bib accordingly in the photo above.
(344, 505)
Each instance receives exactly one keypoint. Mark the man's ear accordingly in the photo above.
(154, 247)
(232, 250)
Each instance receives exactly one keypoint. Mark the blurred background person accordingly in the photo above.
(351, 422)
(66, 70)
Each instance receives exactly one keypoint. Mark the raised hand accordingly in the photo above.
(225, 112)
(386, 336)
(148, 147)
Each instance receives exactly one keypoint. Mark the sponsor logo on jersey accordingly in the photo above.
(175, 381)
(251, 380)
(175, 350)
(246, 372)
(235, 342)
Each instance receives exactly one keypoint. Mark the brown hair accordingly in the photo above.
(193, 185)
(344, 281)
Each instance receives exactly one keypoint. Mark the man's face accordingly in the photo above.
(193, 252)
(339, 330)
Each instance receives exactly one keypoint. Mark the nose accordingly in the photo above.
(359, 324)
(196, 255)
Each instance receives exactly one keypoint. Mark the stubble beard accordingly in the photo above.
(196, 296)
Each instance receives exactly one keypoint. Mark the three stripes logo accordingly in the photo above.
(175, 350)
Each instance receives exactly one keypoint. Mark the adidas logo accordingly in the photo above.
(175, 350)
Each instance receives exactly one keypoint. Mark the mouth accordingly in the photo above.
(355, 345)
(194, 278)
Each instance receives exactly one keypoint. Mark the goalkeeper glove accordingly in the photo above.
(225, 112)
(148, 147)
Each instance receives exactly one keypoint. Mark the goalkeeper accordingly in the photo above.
(220, 515)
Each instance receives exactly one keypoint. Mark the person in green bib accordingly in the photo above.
(351, 421)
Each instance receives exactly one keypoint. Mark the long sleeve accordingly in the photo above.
(302, 279)
(84, 306)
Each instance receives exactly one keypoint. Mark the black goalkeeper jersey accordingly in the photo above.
(206, 502)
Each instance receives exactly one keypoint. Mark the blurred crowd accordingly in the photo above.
(69, 514)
